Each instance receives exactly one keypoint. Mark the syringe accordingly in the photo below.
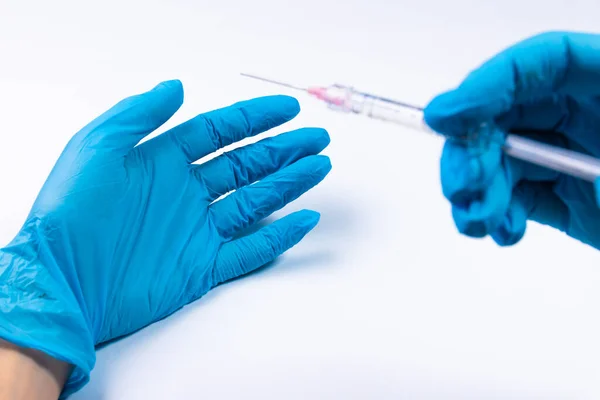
(346, 99)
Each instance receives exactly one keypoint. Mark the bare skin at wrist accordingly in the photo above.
(30, 374)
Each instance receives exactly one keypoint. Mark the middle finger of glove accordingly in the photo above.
(245, 165)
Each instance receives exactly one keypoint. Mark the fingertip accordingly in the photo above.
(479, 216)
(322, 164)
(309, 218)
(293, 104)
(287, 107)
(292, 228)
(171, 83)
(317, 139)
(322, 138)
(299, 223)
(509, 232)
(456, 113)
(467, 226)
(173, 87)
(437, 113)
(318, 164)
(314, 168)
(513, 227)
(163, 101)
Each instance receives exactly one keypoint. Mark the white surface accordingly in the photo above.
(384, 300)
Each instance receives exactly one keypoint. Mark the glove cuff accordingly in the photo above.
(38, 309)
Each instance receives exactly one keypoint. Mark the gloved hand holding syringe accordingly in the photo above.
(346, 99)
(523, 134)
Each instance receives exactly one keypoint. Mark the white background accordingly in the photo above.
(384, 300)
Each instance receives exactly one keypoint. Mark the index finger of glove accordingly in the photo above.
(211, 131)
(538, 67)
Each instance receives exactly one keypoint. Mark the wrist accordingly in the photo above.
(38, 309)
(30, 374)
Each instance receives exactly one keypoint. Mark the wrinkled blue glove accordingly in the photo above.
(123, 234)
(546, 87)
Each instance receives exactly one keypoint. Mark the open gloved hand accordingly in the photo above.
(123, 234)
(546, 87)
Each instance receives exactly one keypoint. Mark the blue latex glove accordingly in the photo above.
(124, 235)
(546, 87)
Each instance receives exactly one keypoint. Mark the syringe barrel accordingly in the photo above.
(386, 110)
(558, 159)
(562, 160)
